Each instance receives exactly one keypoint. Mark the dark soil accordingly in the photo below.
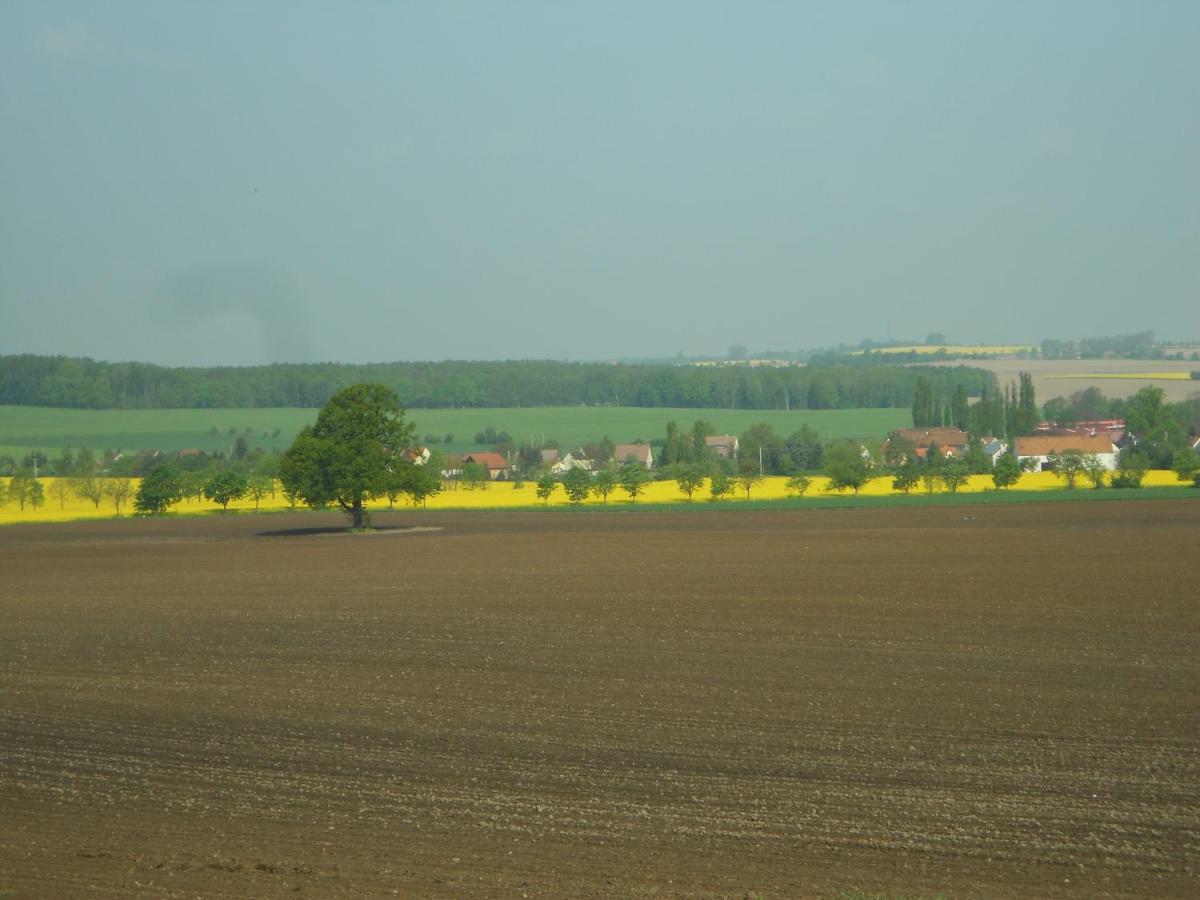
(992, 701)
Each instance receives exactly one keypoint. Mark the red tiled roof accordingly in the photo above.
(943, 437)
(491, 460)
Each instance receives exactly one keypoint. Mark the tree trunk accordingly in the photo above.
(358, 515)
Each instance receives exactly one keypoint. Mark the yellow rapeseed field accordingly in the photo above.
(502, 495)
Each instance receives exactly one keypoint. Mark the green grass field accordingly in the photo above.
(26, 428)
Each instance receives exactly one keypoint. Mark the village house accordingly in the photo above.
(994, 449)
(723, 446)
(637, 452)
(418, 456)
(569, 462)
(1113, 428)
(496, 464)
(1039, 447)
(951, 442)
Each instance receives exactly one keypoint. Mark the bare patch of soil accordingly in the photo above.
(786, 703)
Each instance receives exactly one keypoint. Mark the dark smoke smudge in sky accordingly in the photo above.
(262, 291)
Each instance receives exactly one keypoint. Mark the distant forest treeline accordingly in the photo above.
(85, 383)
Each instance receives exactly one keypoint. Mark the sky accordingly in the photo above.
(242, 183)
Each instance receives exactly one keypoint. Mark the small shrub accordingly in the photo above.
(1127, 478)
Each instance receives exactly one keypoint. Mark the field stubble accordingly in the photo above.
(998, 701)
(1114, 377)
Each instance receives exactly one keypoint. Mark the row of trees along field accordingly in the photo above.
(85, 383)
(851, 464)
(107, 480)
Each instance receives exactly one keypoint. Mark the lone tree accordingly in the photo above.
(226, 485)
(60, 490)
(719, 485)
(118, 490)
(747, 479)
(906, 477)
(1094, 470)
(88, 487)
(158, 489)
(1185, 463)
(545, 487)
(578, 484)
(955, 474)
(347, 456)
(1007, 470)
(423, 482)
(24, 488)
(259, 486)
(847, 466)
(1068, 465)
(799, 484)
(633, 477)
(605, 483)
(690, 477)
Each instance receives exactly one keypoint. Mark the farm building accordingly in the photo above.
(994, 449)
(950, 441)
(723, 446)
(1039, 447)
(496, 464)
(637, 452)
(569, 462)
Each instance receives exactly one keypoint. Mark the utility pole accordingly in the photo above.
(760, 462)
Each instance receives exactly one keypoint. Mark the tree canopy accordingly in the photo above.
(348, 455)
(847, 465)
(158, 489)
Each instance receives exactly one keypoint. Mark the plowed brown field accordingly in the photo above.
(981, 701)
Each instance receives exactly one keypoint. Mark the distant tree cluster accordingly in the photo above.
(1009, 412)
(86, 383)
(1139, 345)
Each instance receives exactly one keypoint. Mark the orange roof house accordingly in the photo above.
(950, 441)
(495, 463)
(1040, 446)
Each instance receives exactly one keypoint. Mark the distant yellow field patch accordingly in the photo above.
(1157, 376)
(954, 349)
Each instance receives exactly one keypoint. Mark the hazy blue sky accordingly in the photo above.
(239, 183)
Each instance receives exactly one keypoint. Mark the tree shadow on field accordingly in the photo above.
(346, 531)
